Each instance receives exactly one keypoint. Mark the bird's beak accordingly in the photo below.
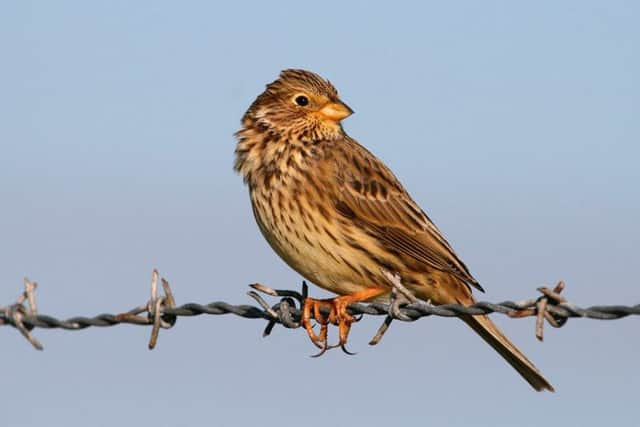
(335, 111)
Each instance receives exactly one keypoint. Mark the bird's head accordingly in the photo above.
(300, 104)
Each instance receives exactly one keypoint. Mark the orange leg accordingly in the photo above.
(338, 315)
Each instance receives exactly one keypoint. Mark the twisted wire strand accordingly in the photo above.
(413, 311)
(162, 312)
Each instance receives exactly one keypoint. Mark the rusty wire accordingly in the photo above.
(162, 312)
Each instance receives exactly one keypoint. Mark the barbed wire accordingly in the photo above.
(161, 312)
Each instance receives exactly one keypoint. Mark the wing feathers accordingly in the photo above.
(378, 200)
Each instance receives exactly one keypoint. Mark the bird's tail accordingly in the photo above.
(496, 339)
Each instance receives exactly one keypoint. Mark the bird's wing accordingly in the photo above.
(370, 194)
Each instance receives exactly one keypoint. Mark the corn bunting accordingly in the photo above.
(337, 215)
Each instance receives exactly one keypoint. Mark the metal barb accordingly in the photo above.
(396, 303)
(549, 299)
(15, 314)
(396, 282)
(285, 312)
(400, 296)
(156, 308)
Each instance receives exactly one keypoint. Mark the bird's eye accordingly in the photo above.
(302, 100)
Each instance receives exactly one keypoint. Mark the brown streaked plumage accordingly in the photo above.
(336, 214)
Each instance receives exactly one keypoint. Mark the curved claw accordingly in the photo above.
(344, 349)
(343, 346)
(338, 315)
(323, 349)
(320, 344)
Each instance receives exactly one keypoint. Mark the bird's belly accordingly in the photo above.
(312, 246)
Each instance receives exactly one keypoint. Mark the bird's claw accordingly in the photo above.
(337, 315)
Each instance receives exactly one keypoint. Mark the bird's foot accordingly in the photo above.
(338, 315)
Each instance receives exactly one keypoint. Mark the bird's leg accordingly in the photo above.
(338, 315)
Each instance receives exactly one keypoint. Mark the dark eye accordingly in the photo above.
(302, 100)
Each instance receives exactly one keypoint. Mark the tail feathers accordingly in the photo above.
(492, 335)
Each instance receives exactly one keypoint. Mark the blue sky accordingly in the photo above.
(515, 126)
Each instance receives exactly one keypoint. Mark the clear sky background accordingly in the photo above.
(515, 126)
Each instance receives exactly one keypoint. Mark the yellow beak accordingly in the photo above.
(335, 111)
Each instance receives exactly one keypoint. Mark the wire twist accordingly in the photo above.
(161, 312)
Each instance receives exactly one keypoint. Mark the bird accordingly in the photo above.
(336, 214)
